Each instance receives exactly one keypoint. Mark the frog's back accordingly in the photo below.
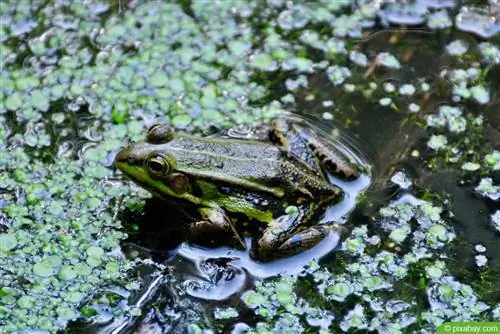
(257, 162)
(237, 148)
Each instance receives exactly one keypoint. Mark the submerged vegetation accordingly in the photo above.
(418, 82)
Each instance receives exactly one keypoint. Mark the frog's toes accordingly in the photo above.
(271, 245)
(309, 238)
(304, 240)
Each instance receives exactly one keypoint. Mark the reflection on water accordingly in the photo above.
(219, 281)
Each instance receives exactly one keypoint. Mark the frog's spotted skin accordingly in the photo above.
(256, 174)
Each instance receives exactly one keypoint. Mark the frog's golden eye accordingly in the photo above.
(153, 127)
(158, 166)
(159, 134)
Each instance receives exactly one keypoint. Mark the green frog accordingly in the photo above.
(273, 175)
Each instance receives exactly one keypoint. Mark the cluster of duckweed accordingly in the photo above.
(78, 80)
(449, 122)
(121, 72)
(60, 237)
(481, 21)
(277, 303)
(382, 274)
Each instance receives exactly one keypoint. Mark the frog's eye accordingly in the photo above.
(158, 166)
(153, 127)
(159, 134)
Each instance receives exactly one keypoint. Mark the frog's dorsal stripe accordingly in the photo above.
(236, 181)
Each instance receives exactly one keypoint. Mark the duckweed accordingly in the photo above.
(488, 189)
(457, 48)
(495, 220)
(388, 60)
(8, 241)
(92, 79)
(437, 142)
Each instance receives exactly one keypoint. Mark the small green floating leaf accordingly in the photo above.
(339, 289)
(88, 311)
(8, 241)
(67, 273)
(263, 61)
(8, 299)
(354, 244)
(446, 292)
(480, 94)
(93, 261)
(56, 208)
(438, 231)
(66, 313)
(113, 267)
(74, 297)
(25, 83)
(181, 121)
(422, 283)
(95, 251)
(194, 329)
(119, 114)
(159, 79)
(77, 89)
(13, 102)
(53, 260)
(434, 272)
(39, 101)
(177, 85)
(26, 302)
(398, 235)
(239, 48)
(43, 269)
(253, 299)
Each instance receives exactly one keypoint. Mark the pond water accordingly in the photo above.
(410, 89)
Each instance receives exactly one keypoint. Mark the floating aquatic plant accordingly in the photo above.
(448, 116)
(457, 48)
(388, 60)
(495, 220)
(437, 142)
(91, 80)
(338, 74)
(488, 189)
(492, 160)
(439, 20)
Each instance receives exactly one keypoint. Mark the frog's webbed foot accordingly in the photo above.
(317, 152)
(281, 237)
(214, 222)
(308, 238)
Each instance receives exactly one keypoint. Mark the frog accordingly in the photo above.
(273, 176)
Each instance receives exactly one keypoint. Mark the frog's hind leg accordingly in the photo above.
(283, 238)
(214, 223)
(307, 146)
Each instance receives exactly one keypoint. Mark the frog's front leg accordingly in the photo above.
(282, 236)
(307, 146)
(214, 222)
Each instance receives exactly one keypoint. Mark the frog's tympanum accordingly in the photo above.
(273, 175)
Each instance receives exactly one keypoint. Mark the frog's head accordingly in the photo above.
(152, 165)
